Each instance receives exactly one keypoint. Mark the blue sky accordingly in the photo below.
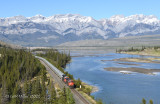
(95, 8)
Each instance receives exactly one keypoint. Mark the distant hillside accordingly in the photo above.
(4, 44)
(147, 40)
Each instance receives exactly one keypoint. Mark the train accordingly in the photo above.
(68, 81)
(60, 74)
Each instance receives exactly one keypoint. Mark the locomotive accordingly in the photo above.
(68, 81)
(61, 75)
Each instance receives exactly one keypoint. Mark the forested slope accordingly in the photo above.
(23, 80)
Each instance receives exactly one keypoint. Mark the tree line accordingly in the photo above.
(132, 49)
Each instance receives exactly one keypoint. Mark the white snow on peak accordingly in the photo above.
(117, 17)
(69, 18)
(12, 20)
(138, 18)
(37, 18)
(78, 24)
(119, 22)
(77, 18)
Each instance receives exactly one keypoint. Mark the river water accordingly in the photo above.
(115, 87)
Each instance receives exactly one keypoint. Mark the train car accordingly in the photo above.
(70, 83)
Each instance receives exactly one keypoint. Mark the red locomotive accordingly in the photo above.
(68, 81)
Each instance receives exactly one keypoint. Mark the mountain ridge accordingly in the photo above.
(57, 29)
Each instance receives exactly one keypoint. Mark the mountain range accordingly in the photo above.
(54, 30)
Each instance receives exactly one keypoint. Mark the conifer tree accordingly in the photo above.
(70, 99)
(63, 97)
(150, 102)
(27, 93)
(53, 98)
(4, 93)
(43, 92)
(17, 95)
(143, 101)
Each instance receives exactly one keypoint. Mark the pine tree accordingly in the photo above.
(143, 101)
(38, 86)
(5, 94)
(63, 97)
(53, 98)
(17, 95)
(150, 102)
(27, 92)
(70, 99)
(43, 92)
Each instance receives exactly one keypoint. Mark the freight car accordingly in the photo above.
(61, 75)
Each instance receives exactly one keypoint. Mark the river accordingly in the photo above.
(115, 87)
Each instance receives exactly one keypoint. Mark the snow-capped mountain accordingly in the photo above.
(53, 30)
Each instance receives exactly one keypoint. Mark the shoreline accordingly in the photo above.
(93, 88)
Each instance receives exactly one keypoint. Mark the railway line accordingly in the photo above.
(80, 96)
(79, 99)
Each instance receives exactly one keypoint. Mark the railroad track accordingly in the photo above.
(79, 99)
(80, 96)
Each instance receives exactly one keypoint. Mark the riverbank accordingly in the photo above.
(133, 69)
(93, 88)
